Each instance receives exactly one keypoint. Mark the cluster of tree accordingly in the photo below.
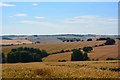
(77, 55)
(100, 39)
(25, 55)
(87, 49)
(110, 42)
(69, 39)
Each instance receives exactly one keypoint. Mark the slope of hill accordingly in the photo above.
(100, 53)
(54, 47)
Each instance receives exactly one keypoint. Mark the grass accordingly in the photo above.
(82, 69)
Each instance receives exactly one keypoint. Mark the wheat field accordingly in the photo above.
(80, 69)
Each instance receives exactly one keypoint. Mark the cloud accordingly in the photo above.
(7, 5)
(90, 19)
(39, 17)
(35, 4)
(21, 15)
(37, 23)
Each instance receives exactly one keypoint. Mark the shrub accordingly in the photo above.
(62, 51)
(110, 42)
(89, 39)
(67, 40)
(87, 49)
(77, 40)
(101, 44)
(61, 60)
(113, 59)
(71, 40)
(67, 50)
(77, 55)
(96, 46)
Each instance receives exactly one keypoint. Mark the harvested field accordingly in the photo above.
(80, 69)
(15, 42)
(54, 47)
(99, 53)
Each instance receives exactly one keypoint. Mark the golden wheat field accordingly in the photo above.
(80, 69)
(54, 47)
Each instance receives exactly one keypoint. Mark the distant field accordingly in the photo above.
(80, 69)
(15, 42)
(100, 53)
(54, 47)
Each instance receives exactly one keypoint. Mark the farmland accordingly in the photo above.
(97, 67)
(15, 42)
(82, 69)
(54, 47)
(100, 53)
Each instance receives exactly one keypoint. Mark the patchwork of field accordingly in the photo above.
(15, 42)
(54, 47)
(80, 69)
(99, 53)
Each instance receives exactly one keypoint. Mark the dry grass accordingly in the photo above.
(83, 69)
(15, 42)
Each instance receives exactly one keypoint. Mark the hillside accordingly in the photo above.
(100, 53)
(54, 47)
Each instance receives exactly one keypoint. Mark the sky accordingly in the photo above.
(47, 18)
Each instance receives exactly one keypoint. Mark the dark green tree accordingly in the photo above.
(77, 55)
(25, 55)
(43, 53)
(87, 49)
(110, 42)
(85, 56)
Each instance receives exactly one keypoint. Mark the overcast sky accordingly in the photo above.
(60, 18)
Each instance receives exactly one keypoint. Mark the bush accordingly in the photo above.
(96, 46)
(67, 40)
(110, 42)
(89, 39)
(77, 55)
(61, 60)
(101, 44)
(87, 49)
(113, 59)
(67, 50)
(25, 55)
(62, 51)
